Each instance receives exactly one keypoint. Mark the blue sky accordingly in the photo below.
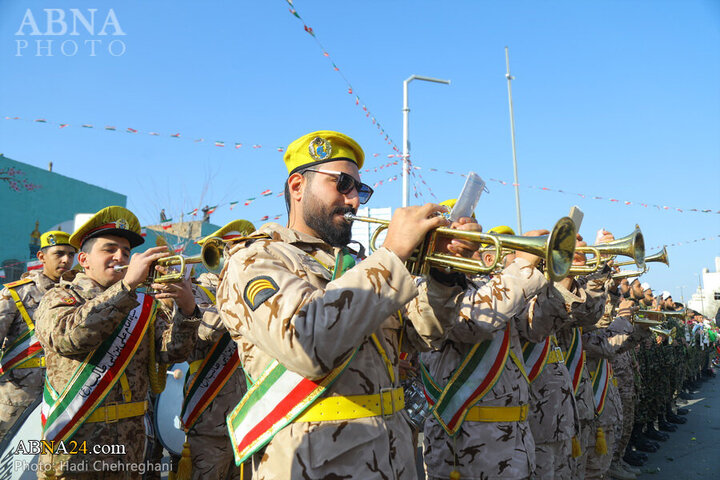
(617, 99)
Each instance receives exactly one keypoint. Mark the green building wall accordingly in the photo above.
(57, 200)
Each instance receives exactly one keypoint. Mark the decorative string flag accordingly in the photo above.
(583, 195)
(350, 89)
(217, 143)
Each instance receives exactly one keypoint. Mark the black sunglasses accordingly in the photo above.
(345, 184)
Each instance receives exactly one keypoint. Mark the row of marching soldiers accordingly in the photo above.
(295, 348)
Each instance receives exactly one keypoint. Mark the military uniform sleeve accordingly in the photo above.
(310, 330)
(488, 306)
(68, 324)
(211, 327)
(431, 314)
(8, 311)
(594, 290)
(175, 339)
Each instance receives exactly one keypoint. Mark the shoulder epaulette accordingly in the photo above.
(248, 239)
(17, 283)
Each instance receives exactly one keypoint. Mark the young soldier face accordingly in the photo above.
(56, 260)
(324, 207)
(106, 252)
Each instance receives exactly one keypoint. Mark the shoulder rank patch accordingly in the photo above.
(69, 300)
(258, 290)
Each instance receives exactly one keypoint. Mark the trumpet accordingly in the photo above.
(661, 257)
(632, 246)
(556, 249)
(211, 257)
(662, 331)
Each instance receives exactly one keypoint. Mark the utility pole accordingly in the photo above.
(512, 135)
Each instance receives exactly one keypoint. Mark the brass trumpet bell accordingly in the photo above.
(661, 257)
(632, 246)
(556, 249)
(211, 257)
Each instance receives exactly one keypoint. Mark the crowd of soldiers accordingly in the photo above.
(301, 351)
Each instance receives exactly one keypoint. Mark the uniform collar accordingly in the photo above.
(299, 239)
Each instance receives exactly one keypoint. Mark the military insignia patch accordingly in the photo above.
(69, 300)
(51, 239)
(320, 149)
(121, 223)
(258, 290)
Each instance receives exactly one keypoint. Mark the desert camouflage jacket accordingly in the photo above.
(73, 319)
(212, 421)
(21, 386)
(310, 324)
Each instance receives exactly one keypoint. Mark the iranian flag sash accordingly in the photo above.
(535, 357)
(575, 358)
(99, 372)
(601, 383)
(26, 346)
(279, 396)
(473, 379)
(214, 372)
(271, 403)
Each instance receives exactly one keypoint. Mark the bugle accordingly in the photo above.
(556, 249)
(661, 257)
(211, 257)
(632, 246)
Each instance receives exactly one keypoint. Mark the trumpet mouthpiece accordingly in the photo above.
(119, 268)
(349, 216)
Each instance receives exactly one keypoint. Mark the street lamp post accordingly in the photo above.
(406, 129)
(510, 78)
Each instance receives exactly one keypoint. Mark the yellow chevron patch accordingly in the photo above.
(258, 290)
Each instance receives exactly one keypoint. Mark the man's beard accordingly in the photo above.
(321, 219)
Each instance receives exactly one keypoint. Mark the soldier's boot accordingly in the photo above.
(630, 468)
(672, 418)
(634, 458)
(685, 395)
(653, 434)
(665, 426)
(617, 472)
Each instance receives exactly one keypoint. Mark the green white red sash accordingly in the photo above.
(279, 395)
(473, 379)
(575, 359)
(25, 347)
(214, 372)
(600, 384)
(535, 357)
(270, 404)
(93, 380)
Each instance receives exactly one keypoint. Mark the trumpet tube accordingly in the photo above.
(660, 257)
(556, 249)
(632, 246)
(629, 273)
(211, 257)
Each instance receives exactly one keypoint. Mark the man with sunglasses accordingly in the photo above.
(319, 336)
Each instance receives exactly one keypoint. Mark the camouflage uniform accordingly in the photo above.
(554, 419)
(595, 288)
(606, 343)
(71, 321)
(311, 324)
(212, 453)
(20, 387)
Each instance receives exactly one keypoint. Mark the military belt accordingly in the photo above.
(385, 403)
(112, 412)
(34, 362)
(497, 414)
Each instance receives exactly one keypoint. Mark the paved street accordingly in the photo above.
(692, 451)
